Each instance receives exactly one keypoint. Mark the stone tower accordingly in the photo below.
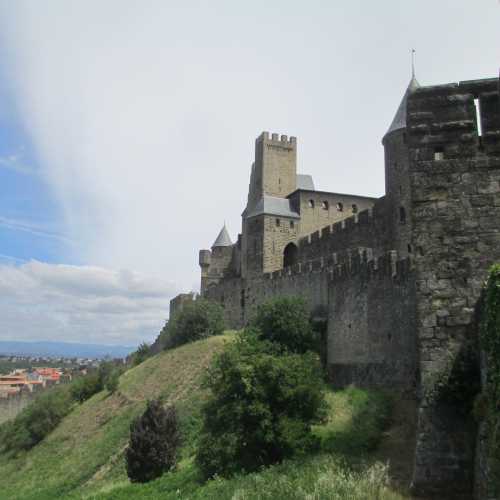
(397, 176)
(268, 222)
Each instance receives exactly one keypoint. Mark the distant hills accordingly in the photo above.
(63, 349)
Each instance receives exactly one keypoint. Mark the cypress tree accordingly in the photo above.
(154, 439)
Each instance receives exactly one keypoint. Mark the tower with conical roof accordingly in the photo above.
(216, 263)
(397, 175)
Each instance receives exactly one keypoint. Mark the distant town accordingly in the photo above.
(34, 373)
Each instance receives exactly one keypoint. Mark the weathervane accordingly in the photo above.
(413, 63)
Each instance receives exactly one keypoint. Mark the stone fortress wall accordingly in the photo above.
(13, 404)
(399, 281)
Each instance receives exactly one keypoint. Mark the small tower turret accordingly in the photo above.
(397, 175)
(215, 264)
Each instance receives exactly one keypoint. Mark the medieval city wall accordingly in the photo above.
(369, 303)
(455, 181)
(13, 404)
(371, 323)
(369, 228)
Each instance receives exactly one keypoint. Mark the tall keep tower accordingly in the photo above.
(274, 172)
(268, 212)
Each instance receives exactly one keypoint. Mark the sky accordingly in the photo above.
(127, 132)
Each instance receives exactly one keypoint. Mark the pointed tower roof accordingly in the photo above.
(399, 121)
(223, 240)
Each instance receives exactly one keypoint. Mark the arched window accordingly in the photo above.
(324, 205)
(340, 207)
(290, 255)
(354, 208)
(311, 203)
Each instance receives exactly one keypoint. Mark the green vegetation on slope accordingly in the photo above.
(85, 452)
(84, 456)
(338, 472)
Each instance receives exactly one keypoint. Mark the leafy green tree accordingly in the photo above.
(197, 320)
(285, 321)
(112, 381)
(261, 407)
(143, 352)
(154, 440)
(83, 388)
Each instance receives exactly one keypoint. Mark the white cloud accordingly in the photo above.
(29, 227)
(81, 304)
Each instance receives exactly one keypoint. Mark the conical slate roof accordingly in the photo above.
(223, 240)
(399, 121)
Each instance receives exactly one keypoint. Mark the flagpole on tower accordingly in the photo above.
(413, 63)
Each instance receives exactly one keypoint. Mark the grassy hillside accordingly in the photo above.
(85, 453)
(83, 457)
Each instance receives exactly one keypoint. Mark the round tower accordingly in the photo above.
(397, 176)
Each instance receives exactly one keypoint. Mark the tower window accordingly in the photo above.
(324, 205)
(278, 222)
(354, 208)
(402, 215)
(311, 203)
(439, 153)
(292, 224)
(340, 207)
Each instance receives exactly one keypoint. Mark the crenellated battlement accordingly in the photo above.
(275, 137)
(353, 262)
(369, 228)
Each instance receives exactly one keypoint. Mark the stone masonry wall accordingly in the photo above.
(371, 324)
(370, 305)
(278, 232)
(11, 405)
(318, 209)
(455, 182)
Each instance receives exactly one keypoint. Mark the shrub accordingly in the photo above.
(285, 321)
(85, 387)
(105, 377)
(143, 352)
(154, 440)
(112, 381)
(261, 407)
(197, 320)
(36, 421)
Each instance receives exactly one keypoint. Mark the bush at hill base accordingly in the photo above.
(261, 408)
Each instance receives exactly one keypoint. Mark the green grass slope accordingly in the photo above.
(84, 454)
(345, 467)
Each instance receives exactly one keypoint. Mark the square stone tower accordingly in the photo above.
(273, 178)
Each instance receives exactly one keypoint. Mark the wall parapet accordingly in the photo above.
(346, 264)
(368, 228)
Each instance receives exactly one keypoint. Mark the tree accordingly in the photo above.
(83, 388)
(261, 407)
(197, 320)
(112, 381)
(143, 352)
(285, 321)
(154, 440)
